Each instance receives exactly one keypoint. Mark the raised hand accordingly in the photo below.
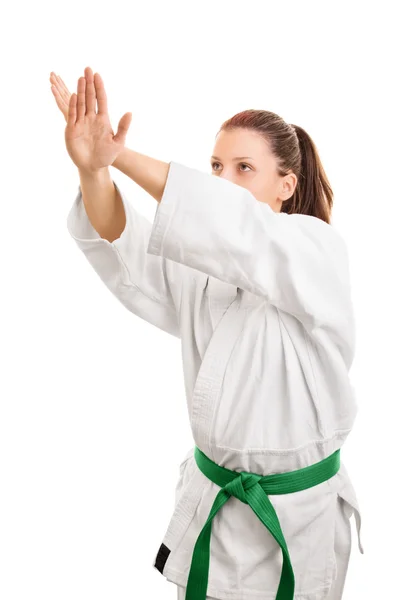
(89, 137)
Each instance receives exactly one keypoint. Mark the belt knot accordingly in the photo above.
(241, 484)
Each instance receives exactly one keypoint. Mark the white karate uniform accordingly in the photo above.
(262, 304)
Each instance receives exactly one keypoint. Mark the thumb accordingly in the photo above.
(123, 127)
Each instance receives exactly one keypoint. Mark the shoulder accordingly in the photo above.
(325, 235)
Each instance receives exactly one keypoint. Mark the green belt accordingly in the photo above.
(252, 489)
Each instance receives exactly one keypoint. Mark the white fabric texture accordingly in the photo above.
(261, 302)
(342, 546)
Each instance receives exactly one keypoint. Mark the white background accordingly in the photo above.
(93, 422)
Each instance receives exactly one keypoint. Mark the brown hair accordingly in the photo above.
(295, 151)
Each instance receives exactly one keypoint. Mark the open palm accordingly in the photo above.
(89, 137)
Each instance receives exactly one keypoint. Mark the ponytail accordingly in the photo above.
(313, 193)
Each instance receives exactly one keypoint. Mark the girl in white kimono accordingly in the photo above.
(243, 265)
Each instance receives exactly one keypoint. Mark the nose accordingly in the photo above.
(228, 176)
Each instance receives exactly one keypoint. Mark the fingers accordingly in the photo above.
(59, 94)
(61, 87)
(59, 100)
(100, 94)
(90, 92)
(71, 119)
(81, 90)
(89, 89)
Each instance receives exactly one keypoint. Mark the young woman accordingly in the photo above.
(245, 268)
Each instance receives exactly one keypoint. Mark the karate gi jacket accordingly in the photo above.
(261, 302)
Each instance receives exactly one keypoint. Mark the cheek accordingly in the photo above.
(262, 189)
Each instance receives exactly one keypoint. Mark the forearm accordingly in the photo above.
(149, 173)
(103, 203)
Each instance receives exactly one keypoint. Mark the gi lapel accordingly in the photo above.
(212, 370)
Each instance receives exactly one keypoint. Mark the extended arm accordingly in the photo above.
(106, 227)
(298, 263)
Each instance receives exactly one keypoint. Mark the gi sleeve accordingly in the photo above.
(296, 262)
(148, 286)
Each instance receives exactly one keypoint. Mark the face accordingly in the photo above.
(243, 157)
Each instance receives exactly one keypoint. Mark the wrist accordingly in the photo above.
(99, 175)
(119, 161)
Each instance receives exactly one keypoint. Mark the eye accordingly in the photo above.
(240, 164)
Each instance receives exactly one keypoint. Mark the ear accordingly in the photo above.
(288, 186)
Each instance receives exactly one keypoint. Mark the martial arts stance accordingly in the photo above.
(243, 265)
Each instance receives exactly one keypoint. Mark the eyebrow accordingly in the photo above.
(236, 157)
